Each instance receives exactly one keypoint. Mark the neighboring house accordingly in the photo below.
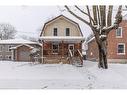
(117, 45)
(16, 49)
(61, 41)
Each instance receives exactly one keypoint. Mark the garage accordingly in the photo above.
(22, 52)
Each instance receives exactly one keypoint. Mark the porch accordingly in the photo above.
(67, 51)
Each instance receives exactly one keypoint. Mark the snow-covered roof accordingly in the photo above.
(16, 41)
(22, 45)
(63, 38)
(90, 40)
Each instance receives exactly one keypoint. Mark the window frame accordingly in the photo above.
(1, 57)
(7, 57)
(54, 49)
(124, 49)
(120, 33)
(1, 48)
(54, 32)
(66, 31)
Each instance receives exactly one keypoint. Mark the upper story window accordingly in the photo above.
(119, 32)
(55, 32)
(121, 48)
(67, 31)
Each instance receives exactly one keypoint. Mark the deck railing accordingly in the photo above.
(63, 53)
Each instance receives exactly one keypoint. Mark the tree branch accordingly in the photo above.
(77, 16)
(89, 15)
(85, 14)
(98, 16)
(109, 15)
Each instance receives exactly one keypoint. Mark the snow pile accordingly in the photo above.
(59, 76)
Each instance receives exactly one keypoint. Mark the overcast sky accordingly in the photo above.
(29, 19)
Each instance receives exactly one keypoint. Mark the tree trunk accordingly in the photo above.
(102, 55)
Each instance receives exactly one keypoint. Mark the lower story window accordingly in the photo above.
(1, 57)
(121, 48)
(8, 57)
(55, 48)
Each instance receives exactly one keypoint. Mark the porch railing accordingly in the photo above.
(63, 53)
(80, 56)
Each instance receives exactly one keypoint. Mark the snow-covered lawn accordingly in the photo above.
(62, 76)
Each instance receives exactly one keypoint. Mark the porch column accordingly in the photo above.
(62, 49)
(42, 51)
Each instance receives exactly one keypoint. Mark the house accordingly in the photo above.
(62, 41)
(17, 49)
(117, 45)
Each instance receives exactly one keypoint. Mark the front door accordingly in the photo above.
(71, 47)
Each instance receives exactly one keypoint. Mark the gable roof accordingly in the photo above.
(58, 18)
(22, 45)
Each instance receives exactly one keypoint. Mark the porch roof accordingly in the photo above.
(63, 38)
(22, 45)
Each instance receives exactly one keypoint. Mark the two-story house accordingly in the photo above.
(117, 45)
(61, 41)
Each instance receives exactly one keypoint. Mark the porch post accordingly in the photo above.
(42, 51)
(62, 48)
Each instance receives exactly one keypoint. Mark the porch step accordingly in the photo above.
(76, 61)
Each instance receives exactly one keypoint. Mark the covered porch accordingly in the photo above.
(61, 49)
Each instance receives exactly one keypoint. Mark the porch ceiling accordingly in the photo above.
(71, 39)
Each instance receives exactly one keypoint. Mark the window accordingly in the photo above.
(67, 31)
(0, 57)
(119, 32)
(55, 47)
(9, 48)
(8, 57)
(1, 47)
(121, 48)
(55, 32)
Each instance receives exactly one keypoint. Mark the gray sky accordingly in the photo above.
(29, 19)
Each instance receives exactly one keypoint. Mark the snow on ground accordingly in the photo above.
(21, 75)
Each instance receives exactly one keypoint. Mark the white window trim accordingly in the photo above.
(53, 31)
(124, 49)
(8, 48)
(1, 48)
(58, 47)
(69, 31)
(121, 33)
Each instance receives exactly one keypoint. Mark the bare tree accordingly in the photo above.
(33, 39)
(7, 31)
(101, 24)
